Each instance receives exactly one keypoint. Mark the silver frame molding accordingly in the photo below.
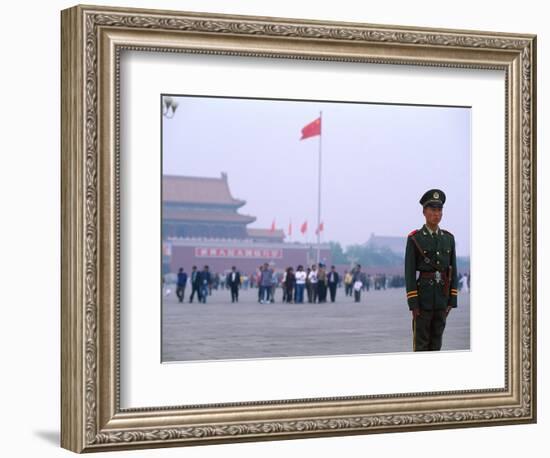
(92, 40)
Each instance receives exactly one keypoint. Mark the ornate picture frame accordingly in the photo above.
(93, 40)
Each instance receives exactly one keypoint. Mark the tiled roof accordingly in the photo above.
(198, 190)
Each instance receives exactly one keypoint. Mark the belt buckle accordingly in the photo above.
(438, 276)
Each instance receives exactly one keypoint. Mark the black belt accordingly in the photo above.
(431, 274)
(436, 276)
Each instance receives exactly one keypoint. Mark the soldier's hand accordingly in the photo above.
(415, 312)
(449, 308)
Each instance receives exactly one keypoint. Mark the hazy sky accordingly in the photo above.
(377, 161)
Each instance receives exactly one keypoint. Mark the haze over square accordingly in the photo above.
(376, 162)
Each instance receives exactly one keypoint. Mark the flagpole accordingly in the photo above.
(319, 194)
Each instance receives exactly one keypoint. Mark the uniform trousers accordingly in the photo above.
(428, 330)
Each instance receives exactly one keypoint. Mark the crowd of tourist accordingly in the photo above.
(314, 283)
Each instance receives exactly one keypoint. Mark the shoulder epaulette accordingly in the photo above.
(413, 232)
(447, 232)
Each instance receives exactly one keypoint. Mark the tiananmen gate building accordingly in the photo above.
(202, 225)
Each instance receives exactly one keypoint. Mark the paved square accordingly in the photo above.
(380, 323)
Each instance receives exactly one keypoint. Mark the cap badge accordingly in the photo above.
(436, 195)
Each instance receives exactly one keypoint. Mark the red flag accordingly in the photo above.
(272, 226)
(312, 129)
(290, 228)
(320, 228)
(303, 227)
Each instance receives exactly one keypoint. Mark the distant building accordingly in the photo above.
(201, 225)
(201, 207)
(395, 244)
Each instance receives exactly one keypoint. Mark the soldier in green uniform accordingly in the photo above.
(433, 292)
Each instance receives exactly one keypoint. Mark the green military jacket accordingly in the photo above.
(436, 285)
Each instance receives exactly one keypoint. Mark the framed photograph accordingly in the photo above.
(335, 273)
(266, 221)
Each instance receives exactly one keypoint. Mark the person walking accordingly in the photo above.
(289, 285)
(313, 280)
(367, 282)
(259, 283)
(234, 283)
(333, 281)
(357, 283)
(322, 283)
(308, 286)
(348, 283)
(265, 284)
(195, 285)
(205, 284)
(274, 284)
(300, 284)
(181, 282)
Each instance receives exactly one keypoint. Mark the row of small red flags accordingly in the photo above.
(303, 228)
